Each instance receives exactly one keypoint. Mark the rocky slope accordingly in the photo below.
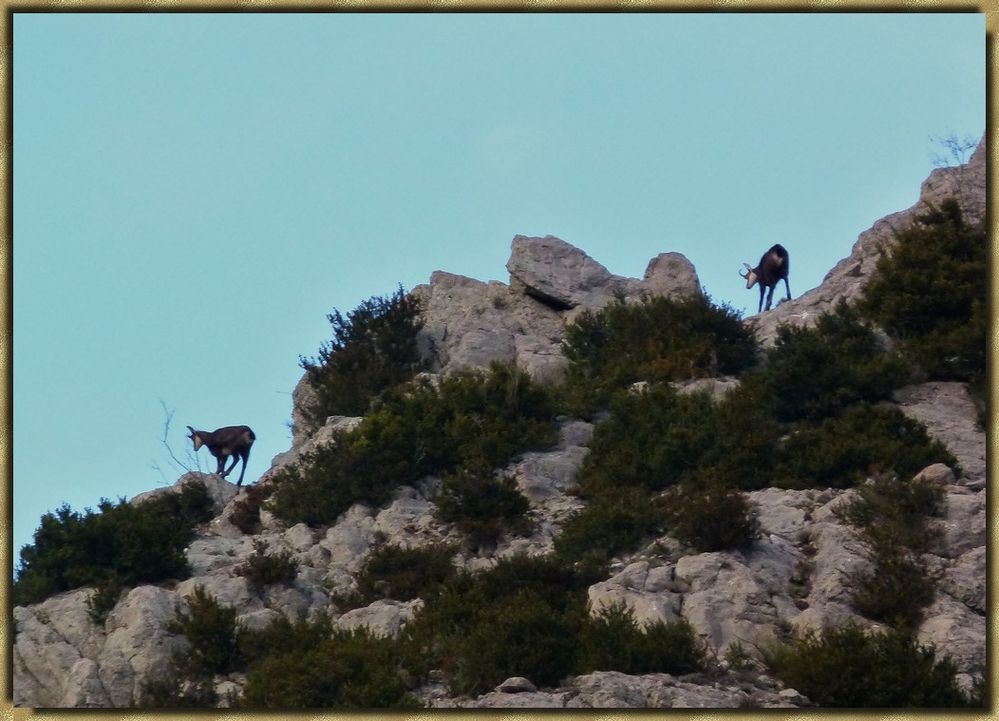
(792, 577)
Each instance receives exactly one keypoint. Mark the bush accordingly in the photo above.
(613, 641)
(477, 420)
(121, 544)
(813, 373)
(349, 669)
(103, 600)
(401, 574)
(929, 292)
(373, 348)
(246, 511)
(711, 517)
(862, 441)
(482, 506)
(212, 634)
(263, 569)
(658, 339)
(610, 524)
(848, 668)
(891, 519)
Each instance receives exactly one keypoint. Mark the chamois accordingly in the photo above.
(229, 442)
(773, 267)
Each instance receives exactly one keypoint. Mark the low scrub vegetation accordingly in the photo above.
(120, 545)
(482, 506)
(469, 420)
(711, 517)
(401, 574)
(657, 339)
(264, 569)
(850, 668)
(373, 348)
(891, 518)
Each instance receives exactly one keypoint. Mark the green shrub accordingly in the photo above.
(523, 636)
(890, 516)
(212, 634)
(613, 641)
(610, 524)
(814, 373)
(282, 636)
(862, 441)
(848, 668)
(122, 543)
(104, 598)
(482, 506)
(263, 569)
(657, 339)
(477, 420)
(373, 348)
(401, 574)
(650, 442)
(349, 669)
(930, 290)
(245, 513)
(711, 517)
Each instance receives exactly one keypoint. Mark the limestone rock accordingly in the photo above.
(382, 618)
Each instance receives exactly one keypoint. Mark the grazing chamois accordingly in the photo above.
(773, 267)
(229, 442)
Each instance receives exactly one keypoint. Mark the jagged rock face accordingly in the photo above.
(849, 277)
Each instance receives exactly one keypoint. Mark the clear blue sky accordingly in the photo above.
(193, 193)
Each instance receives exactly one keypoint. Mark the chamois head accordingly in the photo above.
(223, 443)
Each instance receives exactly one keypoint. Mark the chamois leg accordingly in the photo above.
(770, 296)
(762, 291)
(235, 459)
(787, 288)
(245, 455)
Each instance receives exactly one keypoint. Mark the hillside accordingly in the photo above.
(614, 525)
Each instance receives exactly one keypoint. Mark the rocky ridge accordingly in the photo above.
(791, 578)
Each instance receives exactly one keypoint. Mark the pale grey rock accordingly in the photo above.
(717, 388)
(517, 684)
(218, 488)
(643, 590)
(138, 646)
(786, 513)
(558, 273)
(739, 597)
(303, 396)
(228, 590)
(208, 554)
(44, 657)
(258, 620)
(83, 687)
(956, 630)
(300, 537)
(575, 433)
(385, 617)
(408, 521)
(949, 415)
(305, 443)
(965, 580)
(351, 538)
(937, 474)
(963, 524)
(670, 275)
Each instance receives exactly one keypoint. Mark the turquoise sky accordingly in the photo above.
(193, 193)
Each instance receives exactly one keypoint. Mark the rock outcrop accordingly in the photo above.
(790, 578)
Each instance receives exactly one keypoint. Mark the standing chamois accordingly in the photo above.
(223, 443)
(773, 267)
